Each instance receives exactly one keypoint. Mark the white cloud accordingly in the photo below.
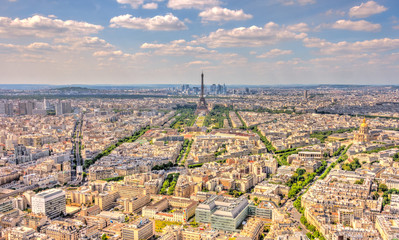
(300, 27)
(4, 47)
(274, 53)
(197, 4)
(340, 59)
(133, 3)
(366, 9)
(40, 46)
(150, 6)
(175, 48)
(219, 14)
(195, 63)
(396, 27)
(334, 12)
(158, 23)
(44, 27)
(253, 36)
(84, 43)
(66, 50)
(36, 47)
(46, 49)
(361, 25)
(375, 45)
(179, 48)
(295, 61)
(116, 53)
(151, 45)
(297, 2)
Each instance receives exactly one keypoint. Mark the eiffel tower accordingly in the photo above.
(202, 106)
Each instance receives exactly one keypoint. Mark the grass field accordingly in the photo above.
(200, 121)
(159, 224)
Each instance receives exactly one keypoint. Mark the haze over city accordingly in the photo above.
(265, 42)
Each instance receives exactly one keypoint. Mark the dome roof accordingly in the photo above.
(364, 124)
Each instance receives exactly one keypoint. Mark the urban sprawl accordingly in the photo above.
(194, 163)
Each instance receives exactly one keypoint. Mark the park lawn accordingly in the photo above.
(160, 225)
(200, 121)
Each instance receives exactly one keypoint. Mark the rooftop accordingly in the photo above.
(49, 193)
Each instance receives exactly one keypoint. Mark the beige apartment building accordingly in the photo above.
(141, 229)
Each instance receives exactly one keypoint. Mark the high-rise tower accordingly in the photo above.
(44, 104)
(202, 106)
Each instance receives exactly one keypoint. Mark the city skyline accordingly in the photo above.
(166, 163)
(135, 42)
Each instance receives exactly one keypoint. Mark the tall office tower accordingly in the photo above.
(9, 108)
(213, 89)
(58, 108)
(44, 104)
(305, 94)
(51, 202)
(22, 108)
(202, 106)
(185, 87)
(2, 108)
(66, 107)
(63, 107)
(29, 107)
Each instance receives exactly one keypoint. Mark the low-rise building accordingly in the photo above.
(222, 213)
(59, 230)
(181, 209)
(106, 200)
(141, 229)
(387, 226)
(135, 204)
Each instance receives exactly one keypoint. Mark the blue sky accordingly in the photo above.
(171, 41)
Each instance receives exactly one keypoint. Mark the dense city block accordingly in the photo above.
(235, 163)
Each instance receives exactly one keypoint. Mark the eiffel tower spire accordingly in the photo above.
(202, 106)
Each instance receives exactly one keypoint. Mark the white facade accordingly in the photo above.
(51, 202)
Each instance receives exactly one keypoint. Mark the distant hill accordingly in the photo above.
(74, 89)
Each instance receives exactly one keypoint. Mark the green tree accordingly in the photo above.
(376, 195)
(361, 181)
(104, 237)
(194, 223)
(382, 187)
(300, 171)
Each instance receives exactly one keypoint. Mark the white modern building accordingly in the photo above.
(50, 202)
